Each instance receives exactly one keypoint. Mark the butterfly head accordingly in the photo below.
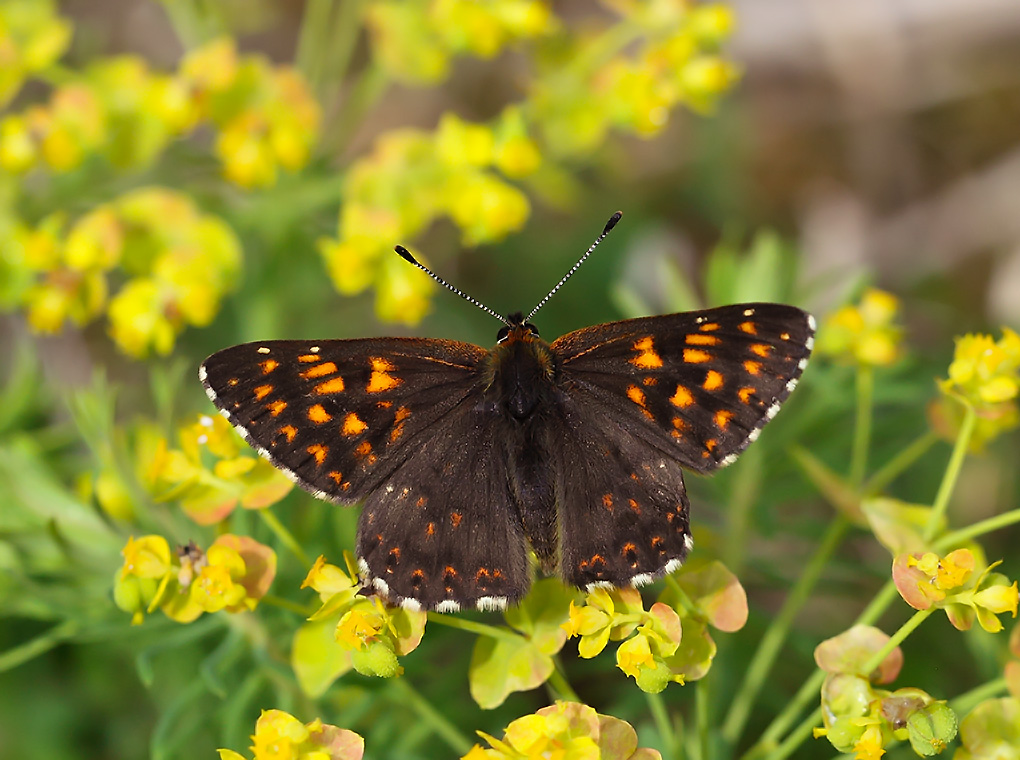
(516, 329)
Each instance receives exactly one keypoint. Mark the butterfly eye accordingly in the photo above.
(502, 334)
(531, 328)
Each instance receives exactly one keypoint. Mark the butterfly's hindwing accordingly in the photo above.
(441, 533)
(623, 508)
(700, 385)
(339, 416)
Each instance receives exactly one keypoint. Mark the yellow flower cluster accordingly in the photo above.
(865, 334)
(212, 473)
(265, 115)
(564, 730)
(232, 575)
(412, 178)
(860, 718)
(985, 377)
(652, 636)
(415, 40)
(280, 736)
(950, 583)
(178, 265)
(32, 37)
(371, 633)
(627, 76)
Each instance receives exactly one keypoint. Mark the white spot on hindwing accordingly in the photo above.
(491, 603)
(263, 350)
(448, 606)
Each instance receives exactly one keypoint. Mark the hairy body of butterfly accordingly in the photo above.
(464, 457)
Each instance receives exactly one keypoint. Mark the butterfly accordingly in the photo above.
(465, 458)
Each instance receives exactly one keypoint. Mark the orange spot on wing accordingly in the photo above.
(636, 395)
(421, 501)
(335, 476)
(710, 445)
(308, 358)
(402, 414)
(262, 391)
(318, 451)
(269, 365)
(713, 381)
(319, 370)
(709, 327)
(318, 414)
(702, 340)
(745, 394)
(607, 501)
(646, 358)
(682, 397)
(289, 431)
(753, 368)
(396, 432)
(784, 336)
(365, 450)
(335, 385)
(384, 404)
(430, 529)
(353, 425)
(749, 327)
(276, 407)
(634, 506)
(761, 349)
(722, 418)
(650, 380)
(380, 381)
(696, 356)
(455, 518)
(232, 381)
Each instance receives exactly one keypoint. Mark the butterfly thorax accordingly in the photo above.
(521, 369)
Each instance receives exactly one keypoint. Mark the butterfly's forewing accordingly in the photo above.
(400, 423)
(642, 397)
(700, 385)
(339, 416)
(442, 532)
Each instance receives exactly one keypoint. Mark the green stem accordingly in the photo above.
(971, 699)
(809, 689)
(443, 728)
(958, 537)
(286, 604)
(892, 469)
(938, 509)
(471, 626)
(775, 635)
(796, 737)
(285, 536)
(897, 638)
(862, 425)
(743, 495)
(312, 40)
(558, 683)
(664, 725)
(702, 709)
(41, 644)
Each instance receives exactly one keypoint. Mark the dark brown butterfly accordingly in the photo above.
(464, 457)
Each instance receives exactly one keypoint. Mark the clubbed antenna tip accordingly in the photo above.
(406, 256)
(612, 222)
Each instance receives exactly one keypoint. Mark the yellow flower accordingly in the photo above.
(18, 151)
(985, 372)
(359, 627)
(327, 579)
(460, 143)
(278, 736)
(634, 655)
(217, 585)
(945, 573)
(869, 746)
(146, 557)
(865, 333)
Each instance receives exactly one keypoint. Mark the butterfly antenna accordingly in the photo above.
(406, 256)
(609, 226)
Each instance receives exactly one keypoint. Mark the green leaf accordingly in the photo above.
(897, 525)
(991, 731)
(316, 658)
(542, 613)
(718, 594)
(502, 666)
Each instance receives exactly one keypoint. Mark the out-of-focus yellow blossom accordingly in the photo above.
(18, 149)
(32, 37)
(866, 333)
(147, 568)
(414, 41)
(985, 372)
(266, 115)
(217, 584)
(280, 736)
(985, 376)
(460, 143)
(567, 730)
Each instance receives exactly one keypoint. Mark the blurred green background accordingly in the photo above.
(813, 150)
